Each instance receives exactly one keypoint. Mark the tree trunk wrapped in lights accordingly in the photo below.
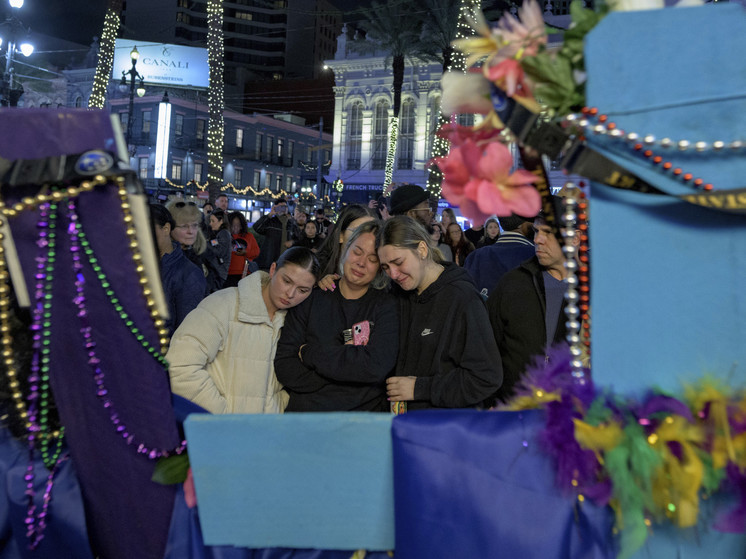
(215, 97)
(395, 28)
(105, 55)
(453, 60)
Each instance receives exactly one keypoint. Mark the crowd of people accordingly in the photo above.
(390, 308)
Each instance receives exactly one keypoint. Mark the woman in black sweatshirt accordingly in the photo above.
(338, 347)
(447, 354)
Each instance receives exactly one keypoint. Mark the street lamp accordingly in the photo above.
(140, 87)
(11, 31)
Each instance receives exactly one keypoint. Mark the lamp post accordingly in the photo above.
(134, 75)
(11, 31)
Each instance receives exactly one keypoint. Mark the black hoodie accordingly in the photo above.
(446, 341)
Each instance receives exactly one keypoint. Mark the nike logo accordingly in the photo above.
(427, 332)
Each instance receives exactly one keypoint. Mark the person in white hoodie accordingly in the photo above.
(222, 356)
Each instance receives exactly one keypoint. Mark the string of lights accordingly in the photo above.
(105, 58)
(458, 62)
(216, 94)
(388, 173)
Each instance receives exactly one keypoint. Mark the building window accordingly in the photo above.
(259, 140)
(380, 135)
(268, 181)
(466, 119)
(239, 138)
(124, 119)
(238, 177)
(270, 147)
(288, 182)
(179, 125)
(291, 149)
(355, 143)
(406, 135)
(143, 168)
(78, 101)
(146, 122)
(201, 126)
(257, 179)
(280, 147)
(278, 183)
(244, 15)
(198, 172)
(176, 170)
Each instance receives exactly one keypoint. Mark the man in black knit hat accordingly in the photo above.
(414, 201)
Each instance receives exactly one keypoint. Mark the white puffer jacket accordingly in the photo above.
(222, 355)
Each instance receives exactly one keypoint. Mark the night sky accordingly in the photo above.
(80, 20)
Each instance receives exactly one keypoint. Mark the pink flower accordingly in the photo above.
(509, 75)
(524, 36)
(479, 181)
(457, 134)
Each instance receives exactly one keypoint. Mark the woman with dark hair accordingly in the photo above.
(183, 281)
(329, 253)
(218, 254)
(491, 233)
(338, 347)
(460, 245)
(245, 249)
(222, 355)
(310, 238)
(438, 237)
(448, 357)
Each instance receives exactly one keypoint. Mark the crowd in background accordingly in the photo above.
(391, 307)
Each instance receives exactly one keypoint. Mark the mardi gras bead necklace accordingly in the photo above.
(86, 331)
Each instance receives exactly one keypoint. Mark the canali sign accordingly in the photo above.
(163, 64)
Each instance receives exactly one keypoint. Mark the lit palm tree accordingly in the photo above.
(105, 54)
(392, 27)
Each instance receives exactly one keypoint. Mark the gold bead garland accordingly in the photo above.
(160, 323)
(30, 203)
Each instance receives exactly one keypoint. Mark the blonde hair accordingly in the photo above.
(187, 212)
(404, 232)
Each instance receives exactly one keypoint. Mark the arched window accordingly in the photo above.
(406, 135)
(380, 134)
(355, 138)
(79, 101)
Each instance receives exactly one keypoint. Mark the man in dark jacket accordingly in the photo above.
(278, 230)
(488, 264)
(526, 308)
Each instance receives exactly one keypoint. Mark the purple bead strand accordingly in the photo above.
(102, 392)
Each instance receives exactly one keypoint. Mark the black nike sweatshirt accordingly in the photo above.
(446, 341)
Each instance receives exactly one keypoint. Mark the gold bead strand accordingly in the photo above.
(160, 323)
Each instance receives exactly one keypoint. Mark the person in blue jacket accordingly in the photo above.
(183, 281)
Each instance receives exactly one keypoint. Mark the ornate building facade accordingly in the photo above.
(363, 106)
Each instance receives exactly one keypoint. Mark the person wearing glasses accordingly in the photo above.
(187, 231)
(414, 201)
(183, 282)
